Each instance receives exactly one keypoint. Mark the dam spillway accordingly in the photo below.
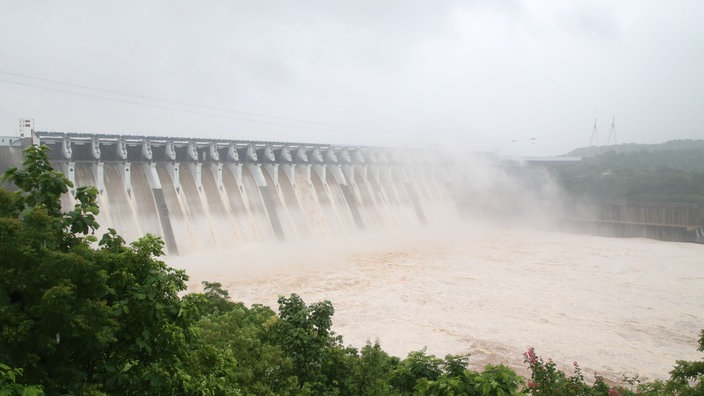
(201, 194)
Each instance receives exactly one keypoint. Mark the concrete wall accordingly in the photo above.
(668, 221)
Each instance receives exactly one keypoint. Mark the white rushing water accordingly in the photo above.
(616, 306)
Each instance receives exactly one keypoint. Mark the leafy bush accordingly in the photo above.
(10, 387)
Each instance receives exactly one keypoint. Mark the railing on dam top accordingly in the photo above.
(70, 146)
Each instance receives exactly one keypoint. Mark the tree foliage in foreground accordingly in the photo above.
(86, 319)
(75, 318)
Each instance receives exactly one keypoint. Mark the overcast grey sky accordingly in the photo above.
(509, 76)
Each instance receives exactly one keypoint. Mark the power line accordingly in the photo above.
(288, 125)
(174, 102)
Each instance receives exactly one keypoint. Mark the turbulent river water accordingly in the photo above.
(616, 306)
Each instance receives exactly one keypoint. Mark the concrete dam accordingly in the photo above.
(201, 194)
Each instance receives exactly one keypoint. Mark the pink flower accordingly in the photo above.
(532, 384)
(530, 355)
(614, 392)
(575, 363)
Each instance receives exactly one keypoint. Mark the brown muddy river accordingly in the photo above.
(616, 306)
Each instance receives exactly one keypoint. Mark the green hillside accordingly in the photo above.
(674, 145)
(667, 172)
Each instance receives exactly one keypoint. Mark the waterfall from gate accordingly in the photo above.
(201, 196)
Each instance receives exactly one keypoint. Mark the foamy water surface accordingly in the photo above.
(616, 306)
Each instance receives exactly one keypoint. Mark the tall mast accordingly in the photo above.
(612, 133)
(594, 140)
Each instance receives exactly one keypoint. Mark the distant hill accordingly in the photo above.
(667, 172)
(684, 144)
(684, 155)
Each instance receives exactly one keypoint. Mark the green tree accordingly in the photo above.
(417, 369)
(214, 299)
(687, 377)
(149, 341)
(497, 380)
(76, 318)
(40, 188)
(305, 334)
(240, 346)
(373, 371)
(54, 320)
